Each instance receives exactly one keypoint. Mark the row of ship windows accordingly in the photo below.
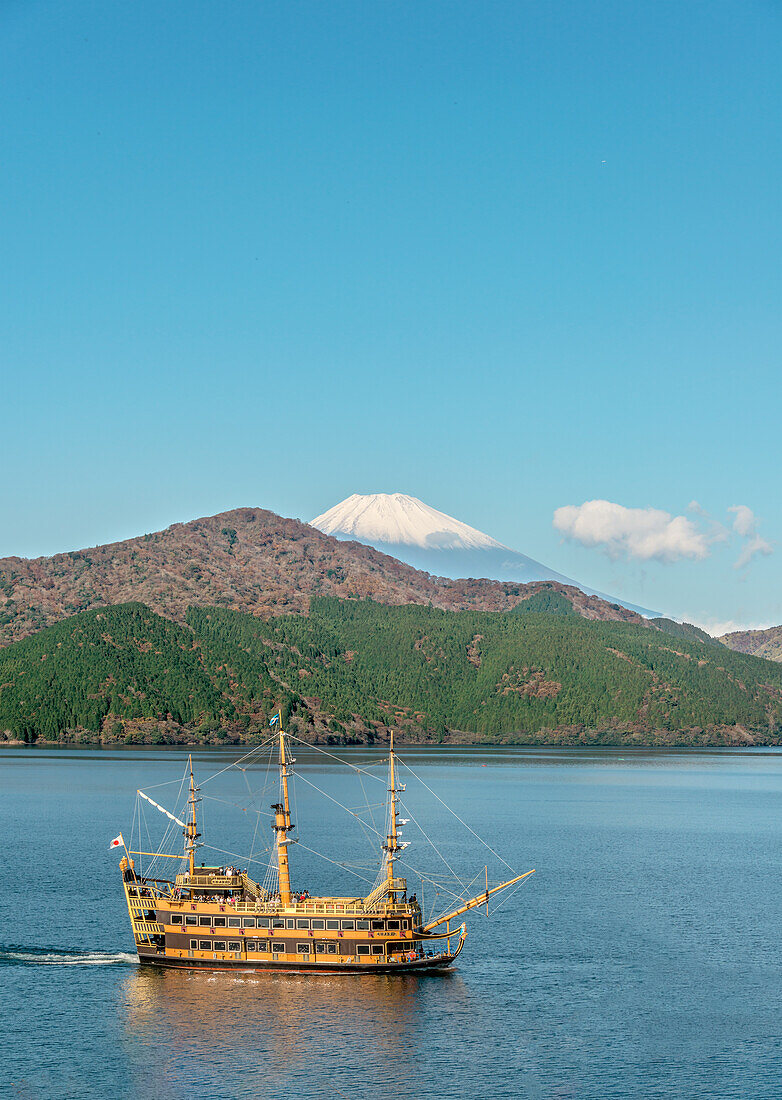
(280, 948)
(289, 922)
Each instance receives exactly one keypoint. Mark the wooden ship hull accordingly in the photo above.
(213, 918)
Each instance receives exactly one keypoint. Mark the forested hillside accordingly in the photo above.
(248, 560)
(353, 669)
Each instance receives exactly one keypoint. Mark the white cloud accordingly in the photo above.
(641, 533)
(718, 627)
(745, 524)
(744, 521)
(717, 532)
(756, 545)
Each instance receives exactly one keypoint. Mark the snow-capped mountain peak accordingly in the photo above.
(402, 521)
(413, 532)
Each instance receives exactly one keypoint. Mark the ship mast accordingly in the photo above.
(392, 845)
(191, 828)
(282, 823)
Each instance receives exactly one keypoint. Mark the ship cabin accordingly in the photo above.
(209, 918)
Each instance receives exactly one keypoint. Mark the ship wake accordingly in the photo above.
(16, 955)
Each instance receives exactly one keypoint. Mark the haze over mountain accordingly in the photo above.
(411, 531)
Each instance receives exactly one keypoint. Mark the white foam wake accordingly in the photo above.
(37, 957)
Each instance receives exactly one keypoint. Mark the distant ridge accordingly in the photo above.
(761, 643)
(414, 532)
(249, 560)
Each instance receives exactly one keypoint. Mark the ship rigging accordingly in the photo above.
(220, 917)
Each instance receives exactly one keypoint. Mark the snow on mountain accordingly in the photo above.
(413, 532)
(401, 520)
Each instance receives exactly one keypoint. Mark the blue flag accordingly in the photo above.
(275, 719)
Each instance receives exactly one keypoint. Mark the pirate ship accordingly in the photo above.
(219, 918)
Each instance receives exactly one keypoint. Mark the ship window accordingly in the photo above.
(348, 925)
(320, 947)
(219, 922)
(290, 923)
(303, 948)
(303, 924)
(176, 918)
(262, 945)
(362, 925)
(204, 921)
(249, 922)
(378, 925)
(393, 924)
(219, 945)
(316, 924)
(205, 945)
(234, 922)
(263, 922)
(332, 924)
(362, 949)
(191, 919)
(332, 949)
(278, 922)
(251, 945)
(279, 948)
(194, 945)
(234, 945)
(405, 923)
(377, 949)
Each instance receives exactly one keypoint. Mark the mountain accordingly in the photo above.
(248, 560)
(351, 670)
(400, 520)
(418, 534)
(684, 630)
(762, 643)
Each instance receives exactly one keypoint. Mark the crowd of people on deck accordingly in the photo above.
(275, 899)
(232, 899)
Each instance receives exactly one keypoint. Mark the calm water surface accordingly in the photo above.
(642, 960)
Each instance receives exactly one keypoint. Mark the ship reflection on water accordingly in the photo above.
(266, 1027)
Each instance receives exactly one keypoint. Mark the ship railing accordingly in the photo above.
(148, 927)
(147, 891)
(269, 908)
(314, 908)
(397, 885)
(225, 881)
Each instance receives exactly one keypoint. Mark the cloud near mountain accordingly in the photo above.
(650, 534)
(413, 532)
(642, 533)
(745, 525)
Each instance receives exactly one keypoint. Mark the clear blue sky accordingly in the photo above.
(503, 256)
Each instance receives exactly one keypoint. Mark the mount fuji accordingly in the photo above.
(413, 532)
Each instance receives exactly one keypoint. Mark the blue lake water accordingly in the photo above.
(641, 960)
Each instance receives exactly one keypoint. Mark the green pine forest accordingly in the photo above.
(352, 669)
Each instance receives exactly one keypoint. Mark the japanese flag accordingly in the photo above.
(117, 842)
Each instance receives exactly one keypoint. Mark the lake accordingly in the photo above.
(641, 960)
